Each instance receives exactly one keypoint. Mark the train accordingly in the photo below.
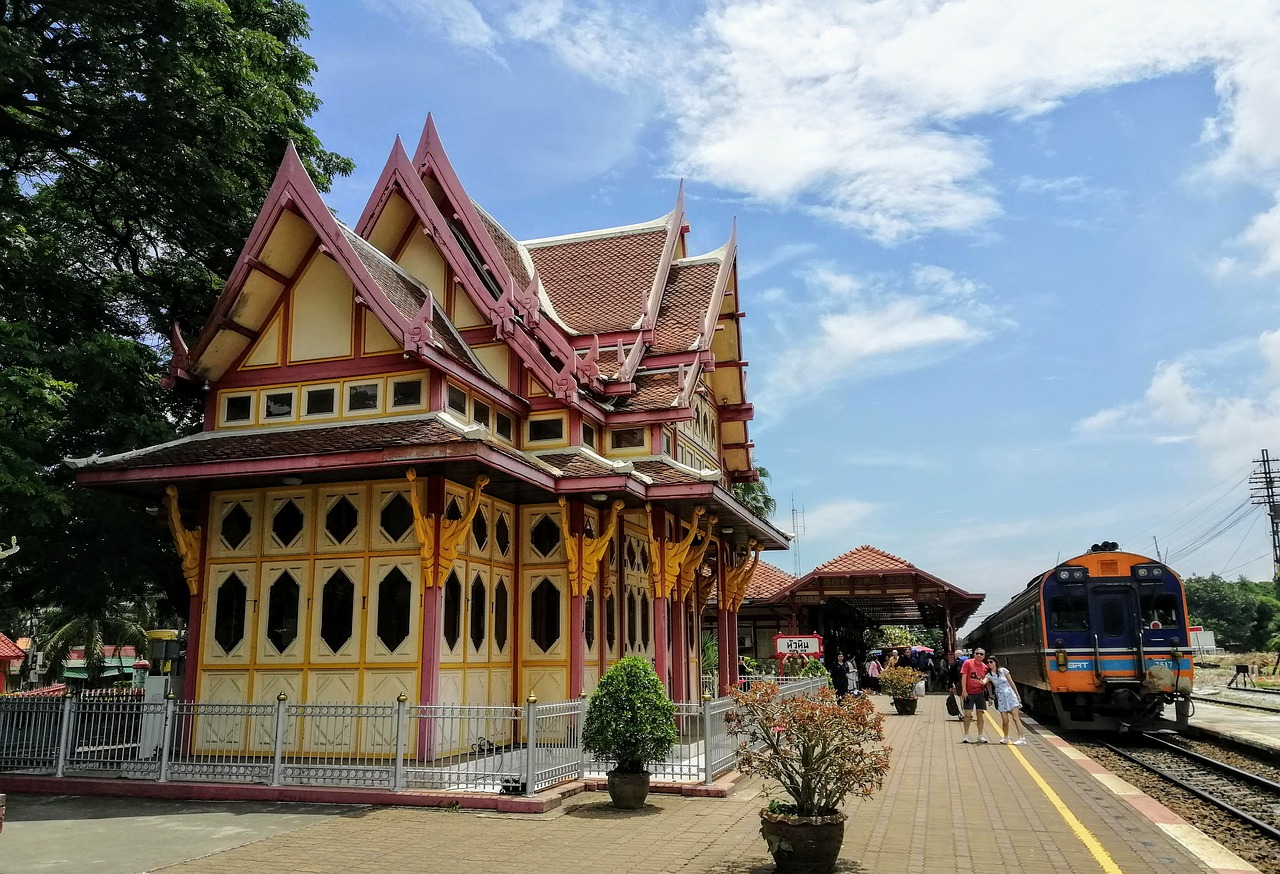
(1099, 642)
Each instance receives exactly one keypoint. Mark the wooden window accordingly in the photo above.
(456, 400)
(406, 393)
(277, 404)
(228, 615)
(452, 609)
(362, 397)
(541, 430)
(394, 597)
(504, 426)
(237, 409)
(627, 438)
(282, 612)
(589, 618)
(321, 401)
(544, 614)
(479, 612)
(480, 413)
(588, 435)
(500, 614)
(337, 603)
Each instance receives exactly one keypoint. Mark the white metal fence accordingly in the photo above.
(508, 750)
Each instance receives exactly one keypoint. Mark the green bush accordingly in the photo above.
(630, 720)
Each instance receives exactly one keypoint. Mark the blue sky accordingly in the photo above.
(1010, 268)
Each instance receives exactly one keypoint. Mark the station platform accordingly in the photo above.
(1041, 807)
(1252, 728)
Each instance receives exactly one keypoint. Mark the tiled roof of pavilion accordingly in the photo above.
(767, 581)
(9, 651)
(684, 304)
(864, 558)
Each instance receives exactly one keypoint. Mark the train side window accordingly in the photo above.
(1069, 613)
(1160, 607)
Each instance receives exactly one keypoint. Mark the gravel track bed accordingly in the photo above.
(1260, 851)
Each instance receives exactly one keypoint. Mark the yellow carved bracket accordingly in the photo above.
(185, 540)
(685, 582)
(664, 573)
(584, 553)
(737, 579)
(439, 551)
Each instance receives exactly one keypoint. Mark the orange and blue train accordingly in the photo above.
(1100, 642)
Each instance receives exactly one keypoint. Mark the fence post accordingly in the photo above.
(167, 735)
(398, 776)
(582, 751)
(531, 744)
(706, 739)
(64, 735)
(277, 757)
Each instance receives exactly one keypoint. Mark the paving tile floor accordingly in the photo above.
(946, 807)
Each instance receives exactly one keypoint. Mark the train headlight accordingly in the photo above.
(1072, 574)
(1148, 572)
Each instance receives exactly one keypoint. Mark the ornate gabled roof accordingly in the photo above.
(864, 558)
(599, 282)
(690, 286)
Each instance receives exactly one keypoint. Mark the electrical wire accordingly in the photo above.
(1210, 533)
(1241, 543)
(1241, 481)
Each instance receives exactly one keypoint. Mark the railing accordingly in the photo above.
(509, 750)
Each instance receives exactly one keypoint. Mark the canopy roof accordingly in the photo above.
(881, 587)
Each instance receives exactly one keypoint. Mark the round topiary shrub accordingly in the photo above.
(630, 720)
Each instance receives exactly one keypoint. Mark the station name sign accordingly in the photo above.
(798, 644)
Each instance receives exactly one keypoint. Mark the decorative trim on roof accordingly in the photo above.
(659, 224)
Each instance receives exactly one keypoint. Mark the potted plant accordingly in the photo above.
(630, 722)
(900, 684)
(818, 751)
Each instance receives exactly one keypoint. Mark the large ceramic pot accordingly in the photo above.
(906, 706)
(803, 844)
(628, 790)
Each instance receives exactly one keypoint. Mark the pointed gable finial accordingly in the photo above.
(589, 366)
(428, 142)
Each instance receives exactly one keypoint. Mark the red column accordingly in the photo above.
(661, 661)
(733, 647)
(191, 665)
(726, 644)
(679, 654)
(577, 644)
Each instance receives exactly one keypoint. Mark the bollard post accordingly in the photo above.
(64, 735)
(398, 781)
(706, 739)
(167, 733)
(531, 744)
(277, 756)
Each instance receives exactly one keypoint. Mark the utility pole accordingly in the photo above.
(1264, 490)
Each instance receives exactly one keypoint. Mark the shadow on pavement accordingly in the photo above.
(606, 810)
(53, 808)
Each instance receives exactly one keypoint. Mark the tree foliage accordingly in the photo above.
(755, 495)
(1241, 614)
(137, 140)
(630, 720)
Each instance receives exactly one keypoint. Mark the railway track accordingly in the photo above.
(1247, 797)
(1265, 708)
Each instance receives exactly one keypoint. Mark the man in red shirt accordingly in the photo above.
(973, 676)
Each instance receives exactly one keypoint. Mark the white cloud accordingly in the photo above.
(751, 267)
(1228, 429)
(856, 326)
(459, 20)
(835, 520)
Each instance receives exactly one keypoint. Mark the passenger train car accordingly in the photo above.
(1100, 641)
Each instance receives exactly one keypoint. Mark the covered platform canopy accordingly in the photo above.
(864, 587)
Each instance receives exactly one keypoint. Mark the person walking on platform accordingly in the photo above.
(841, 680)
(1008, 705)
(873, 674)
(973, 674)
(954, 682)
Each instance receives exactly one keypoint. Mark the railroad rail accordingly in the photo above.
(1209, 699)
(1248, 797)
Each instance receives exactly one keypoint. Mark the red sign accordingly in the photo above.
(809, 645)
(1195, 628)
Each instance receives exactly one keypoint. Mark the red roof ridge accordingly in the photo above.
(657, 224)
(864, 551)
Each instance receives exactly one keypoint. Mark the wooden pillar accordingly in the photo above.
(661, 658)
(577, 644)
(432, 628)
(191, 665)
(728, 673)
(679, 654)
(733, 648)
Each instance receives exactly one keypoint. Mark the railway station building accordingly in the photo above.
(440, 462)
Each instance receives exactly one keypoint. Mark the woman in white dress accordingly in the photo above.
(1007, 703)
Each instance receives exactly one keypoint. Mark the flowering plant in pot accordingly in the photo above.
(900, 684)
(818, 751)
(630, 722)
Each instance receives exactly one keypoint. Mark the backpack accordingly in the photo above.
(952, 706)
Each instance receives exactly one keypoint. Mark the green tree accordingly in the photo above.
(1228, 609)
(96, 627)
(137, 140)
(755, 495)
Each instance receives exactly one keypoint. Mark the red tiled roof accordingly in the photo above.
(665, 474)
(684, 305)
(654, 391)
(405, 294)
(508, 248)
(231, 446)
(863, 559)
(573, 464)
(55, 691)
(9, 651)
(767, 581)
(600, 284)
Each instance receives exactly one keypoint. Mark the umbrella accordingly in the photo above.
(921, 649)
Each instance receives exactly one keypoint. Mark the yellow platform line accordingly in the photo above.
(1091, 843)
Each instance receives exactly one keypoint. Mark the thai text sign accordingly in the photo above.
(798, 644)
